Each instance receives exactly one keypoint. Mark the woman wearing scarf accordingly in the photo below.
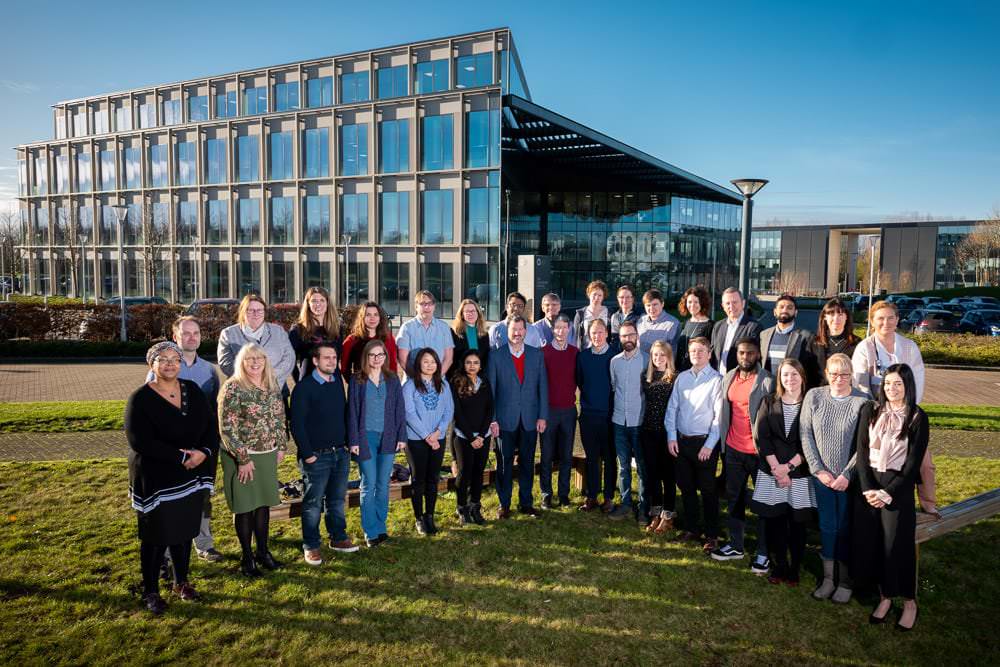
(891, 441)
(250, 327)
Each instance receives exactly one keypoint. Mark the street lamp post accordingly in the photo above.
(121, 212)
(83, 267)
(346, 240)
(748, 187)
(3, 268)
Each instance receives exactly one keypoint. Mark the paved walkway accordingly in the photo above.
(111, 444)
(109, 381)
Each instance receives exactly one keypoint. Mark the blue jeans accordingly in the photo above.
(375, 473)
(834, 524)
(325, 482)
(626, 447)
(523, 442)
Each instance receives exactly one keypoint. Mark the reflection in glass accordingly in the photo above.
(282, 215)
(316, 152)
(437, 217)
(186, 163)
(394, 208)
(354, 87)
(248, 155)
(354, 150)
(354, 217)
(217, 222)
(316, 220)
(248, 231)
(395, 144)
(431, 76)
(438, 148)
(483, 140)
(215, 152)
(282, 164)
(392, 82)
(475, 70)
(319, 92)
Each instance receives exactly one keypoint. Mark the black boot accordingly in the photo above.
(267, 560)
(475, 512)
(429, 524)
(248, 567)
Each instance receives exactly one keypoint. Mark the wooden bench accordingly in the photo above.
(960, 515)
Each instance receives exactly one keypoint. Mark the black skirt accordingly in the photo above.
(883, 549)
(172, 522)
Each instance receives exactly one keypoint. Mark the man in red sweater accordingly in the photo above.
(557, 441)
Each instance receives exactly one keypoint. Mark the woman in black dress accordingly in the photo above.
(661, 483)
(171, 435)
(473, 414)
(695, 304)
(834, 334)
(891, 441)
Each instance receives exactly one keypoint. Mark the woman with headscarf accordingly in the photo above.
(171, 435)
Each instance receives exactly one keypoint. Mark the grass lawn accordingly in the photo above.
(569, 588)
(76, 416)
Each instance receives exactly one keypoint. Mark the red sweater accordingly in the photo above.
(560, 367)
(350, 360)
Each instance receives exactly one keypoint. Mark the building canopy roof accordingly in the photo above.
(532, 134)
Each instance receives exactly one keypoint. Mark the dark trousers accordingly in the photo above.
(471, 466)
(694, 476)
(557, 444)
(522, 442)
(595, 432)
(425, 468)
(785, 536)
(740, 468)
(661, 479)
(151, 557)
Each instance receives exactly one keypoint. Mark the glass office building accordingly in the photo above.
(374, 174)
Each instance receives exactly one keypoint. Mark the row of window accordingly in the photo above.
(480, 280)
(153, 223)
(437, 153)
(390, 82)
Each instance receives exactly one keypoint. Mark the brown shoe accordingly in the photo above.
(503, 513)
(653, 524)
(186, 591)
(607, 507)
(666, 523)
(710, 544)
(313, 557)
(344, 546)
(589, 506)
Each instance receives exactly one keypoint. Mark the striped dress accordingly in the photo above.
(778, 435)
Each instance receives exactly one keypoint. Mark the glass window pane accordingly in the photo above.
(395, 212)
(392, 82)
(133, 168)
(395, 288)
(431, 76)
(248, 232)
(225, 104)
(280, 232)
(354, 87)
(281, 155)
(437, 217)
(354, 150)
(286, 96)
(316, 153)
(316, 220)
(187, 222)
(354, 217)
(438, 148)
(158, 165)
(107, 165)
(395, 149)
(217, 223)
(254, 101)
(217, 277)
(475, 70)
(247, 277)
(319, 92)
(83, 177)
(198, 108)
(248, 154)
(186, 163)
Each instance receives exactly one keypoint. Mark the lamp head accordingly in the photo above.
(748, 187)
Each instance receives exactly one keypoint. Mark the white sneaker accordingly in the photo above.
(313, 556)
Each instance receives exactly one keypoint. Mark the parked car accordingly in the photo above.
(931, 300)
(963, 300)
(981, 323)
(905, 304)
(197, 304)
(986, 301)
(954, 308)
(930, 320)
(135, 300)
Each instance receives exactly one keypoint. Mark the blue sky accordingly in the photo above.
(855, 111)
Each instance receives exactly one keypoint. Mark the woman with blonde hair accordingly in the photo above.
(661, 480)
(468, 331)
(370, 323)
(252, 423)
(318, 322)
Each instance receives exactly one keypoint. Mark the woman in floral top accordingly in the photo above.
(252, 420)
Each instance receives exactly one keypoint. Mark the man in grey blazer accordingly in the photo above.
(785, 340)
(516, 373)
(743, 391)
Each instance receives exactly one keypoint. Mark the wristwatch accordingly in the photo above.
(791, 466)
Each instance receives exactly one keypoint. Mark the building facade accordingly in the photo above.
(823, 259)
(373, 174)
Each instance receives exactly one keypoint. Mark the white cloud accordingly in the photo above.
(20, 86)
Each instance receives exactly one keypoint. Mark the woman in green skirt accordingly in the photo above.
(252, 421)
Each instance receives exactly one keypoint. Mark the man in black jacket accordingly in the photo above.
(737, 325)
(319, 426)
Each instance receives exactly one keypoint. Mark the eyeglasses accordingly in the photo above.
(170, 361)
(423, 304)
(839, 376)
(376, 355)
(255, 311)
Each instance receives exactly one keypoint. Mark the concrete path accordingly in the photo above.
(111, 444)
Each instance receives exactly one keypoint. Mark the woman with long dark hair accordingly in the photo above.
(370, 323)
(429, 409)
(473, 414)
(318, 322)
(891, 442)
(834, 335)
(695, 304)
(376, 425)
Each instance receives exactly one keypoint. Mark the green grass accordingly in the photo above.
(569, 588)
(61, 417)
(79, 416)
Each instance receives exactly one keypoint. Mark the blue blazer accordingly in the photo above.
(515, 403)
(395, 417)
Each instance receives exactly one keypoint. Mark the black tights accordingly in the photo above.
(785, 536)
(253, 524)
(151, 558)
(425, 466)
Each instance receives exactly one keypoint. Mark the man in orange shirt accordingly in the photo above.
(743, 389)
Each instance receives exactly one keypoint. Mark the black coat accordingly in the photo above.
(769, 434)
(462, 348)
(747, 328)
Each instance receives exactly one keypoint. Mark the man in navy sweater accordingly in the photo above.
(319, 426)
(593, 377)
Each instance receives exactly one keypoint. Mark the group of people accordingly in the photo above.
(821, 424)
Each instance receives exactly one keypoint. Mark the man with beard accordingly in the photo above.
(785, 340)
(743, 390)
(627, 369)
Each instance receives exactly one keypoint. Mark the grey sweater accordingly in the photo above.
(827, 429)
(274, 341)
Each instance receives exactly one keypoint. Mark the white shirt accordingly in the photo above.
(731, 328)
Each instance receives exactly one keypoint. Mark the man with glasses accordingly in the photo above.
(516, 303)
(551, 307)
(425, 330)
(627, 369)
(628, 311)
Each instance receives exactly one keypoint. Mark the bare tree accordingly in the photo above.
(154, 226)
(69, 232)
(981, 250)
(790, 282)
(12, 234)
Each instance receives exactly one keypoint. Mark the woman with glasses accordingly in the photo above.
(251, 327)
(171, 436)
(318, 322)
(468, 331)
(370, 323)
(376, 425)
(252, 421)
(828, 422)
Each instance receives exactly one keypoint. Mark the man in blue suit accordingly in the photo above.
(516, 372)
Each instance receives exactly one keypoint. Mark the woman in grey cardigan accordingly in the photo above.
(250, 327)
(828, 423)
